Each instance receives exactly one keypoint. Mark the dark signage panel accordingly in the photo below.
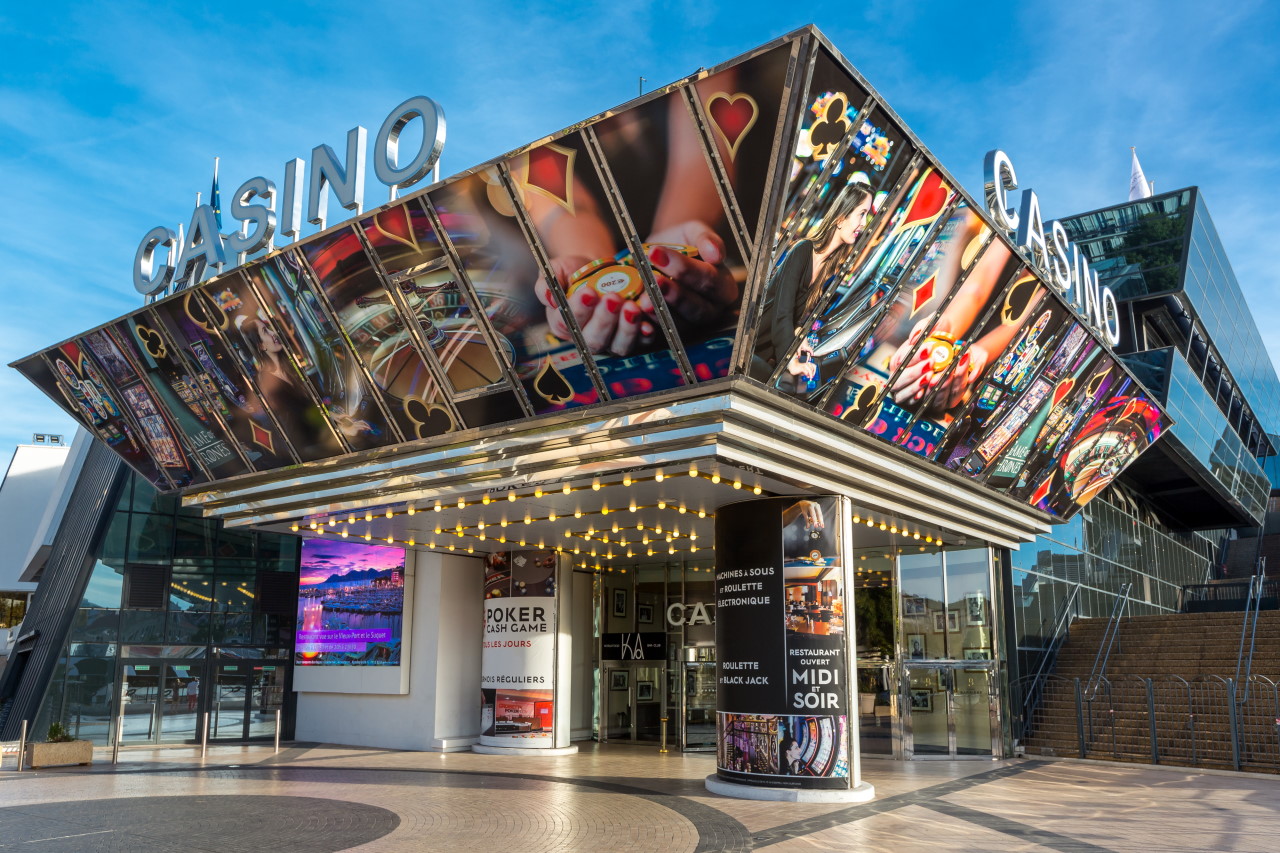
(781, 650)
(641, 645)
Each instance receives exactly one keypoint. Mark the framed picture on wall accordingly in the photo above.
(921, 702)
(977, 654)
(644, 691)
(975, 608)
(644, 612)
(618, 679)
(912, 605)
(953, 620)
(619, 602)
(915, 645)
(939, 622)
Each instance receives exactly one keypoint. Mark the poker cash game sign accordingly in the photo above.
(518, 660)
(782, 701)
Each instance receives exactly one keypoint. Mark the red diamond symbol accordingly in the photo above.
(923, 293)
(263, 438)
(550, 172)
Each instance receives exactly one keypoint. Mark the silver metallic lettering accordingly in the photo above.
(346, 179)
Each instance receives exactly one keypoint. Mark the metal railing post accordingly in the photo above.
(120, 703)
(1079, 718)
(204, 736)
(663, 746)
(1235, 723)
(277, 729)
(22, 746)
(1151, 719)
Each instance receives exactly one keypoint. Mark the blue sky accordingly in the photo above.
(110, 114)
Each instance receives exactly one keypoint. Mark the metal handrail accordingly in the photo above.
(1109, 636)
(1250, 626)
(1061, 630)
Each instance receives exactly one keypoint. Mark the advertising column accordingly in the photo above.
(783, 619)
(524, 669)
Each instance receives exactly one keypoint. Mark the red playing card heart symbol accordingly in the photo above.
(394, 224)
(733, 116)
(929, 200)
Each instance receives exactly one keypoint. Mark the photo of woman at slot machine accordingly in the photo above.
(808, 265)
(939, 365)
(681, 234)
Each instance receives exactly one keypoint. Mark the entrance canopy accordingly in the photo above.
(768, 226)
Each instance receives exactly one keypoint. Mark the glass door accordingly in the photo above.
(632, 699)
(876, 712)
(143, 694)
(699, 733)
(228, 702)
(951, 710)
(266, 698)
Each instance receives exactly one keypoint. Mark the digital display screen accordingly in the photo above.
(350, 604)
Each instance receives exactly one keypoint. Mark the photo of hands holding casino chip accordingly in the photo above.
(672, 203)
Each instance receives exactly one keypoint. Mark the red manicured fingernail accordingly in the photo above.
(590, 298)
(659, 256)
(631, 314)
(612, 304)
(647, 329)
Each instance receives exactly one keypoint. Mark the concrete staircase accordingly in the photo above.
(1189, 659)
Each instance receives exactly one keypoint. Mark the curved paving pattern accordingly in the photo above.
(230, 823)
(322, 798)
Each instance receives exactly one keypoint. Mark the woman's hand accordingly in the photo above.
(609, 323)
(697, 290)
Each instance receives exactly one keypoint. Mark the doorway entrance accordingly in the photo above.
(633, 701)
(164, 701)
(950, 710)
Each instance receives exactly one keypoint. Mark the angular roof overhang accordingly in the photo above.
(769, 218)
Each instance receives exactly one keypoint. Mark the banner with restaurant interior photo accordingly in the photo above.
(782, 698)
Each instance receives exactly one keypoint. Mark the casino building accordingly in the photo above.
(727, 412)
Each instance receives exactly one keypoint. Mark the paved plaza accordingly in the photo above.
(313, 798)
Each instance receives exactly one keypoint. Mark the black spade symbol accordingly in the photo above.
(551, 385)
(1018, 300)
(428, 420)
(199, 314)
(829, 130)
(862, 403)
(151, 341)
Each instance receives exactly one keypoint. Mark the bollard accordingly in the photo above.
(1151, 720)
(1234, 711)
(277, 729)
(1079, 720)
(22, 745)
(204, 736)
(663, 746)
(115, 746)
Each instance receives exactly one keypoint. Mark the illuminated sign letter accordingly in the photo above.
(998, 180)
(386, 148)
(147, 278)
(346, 181)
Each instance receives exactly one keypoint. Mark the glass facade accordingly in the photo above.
(1165, 262)
(179, 617)
(1113, 541)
